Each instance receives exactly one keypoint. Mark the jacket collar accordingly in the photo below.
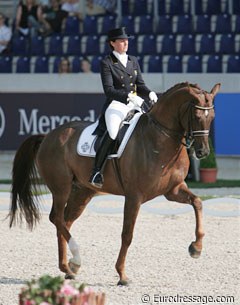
(118, 64)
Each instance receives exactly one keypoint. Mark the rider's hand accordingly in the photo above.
(135, 99)
(153, 96)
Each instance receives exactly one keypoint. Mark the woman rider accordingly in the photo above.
(124, 88)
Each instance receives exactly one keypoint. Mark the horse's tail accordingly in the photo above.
(24, 187)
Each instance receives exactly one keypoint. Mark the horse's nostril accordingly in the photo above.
(200, 153)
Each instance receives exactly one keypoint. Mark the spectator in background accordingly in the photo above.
(64, 66)
(86, 66)
(44, 3)
(5, 35)
(98, 7)
(28, 18)
(72, 7)
(53, 18)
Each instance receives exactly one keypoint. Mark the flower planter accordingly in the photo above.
(49, 290)
(208, 175)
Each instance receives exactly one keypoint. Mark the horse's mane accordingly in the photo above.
(180, 86)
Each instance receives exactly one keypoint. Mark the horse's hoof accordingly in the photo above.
(194, 253)
(73, 267)
(123, 283)
(69, 276)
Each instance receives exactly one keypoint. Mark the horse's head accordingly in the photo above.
(200, 115)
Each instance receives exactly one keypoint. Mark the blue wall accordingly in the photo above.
(227, 124)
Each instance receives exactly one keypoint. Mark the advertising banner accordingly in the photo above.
(25, 114)
(227, 136)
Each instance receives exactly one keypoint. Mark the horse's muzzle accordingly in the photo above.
(201, 153)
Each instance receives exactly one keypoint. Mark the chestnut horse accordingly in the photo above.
(155, 162)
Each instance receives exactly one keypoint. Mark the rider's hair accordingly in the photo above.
(110, 46)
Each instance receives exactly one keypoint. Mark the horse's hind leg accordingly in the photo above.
(182, 194)
(131, 210)
(57, 218)
(76, 204)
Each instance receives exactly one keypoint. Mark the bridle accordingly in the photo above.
(190, 134)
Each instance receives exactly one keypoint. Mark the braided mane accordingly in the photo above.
(179, 86)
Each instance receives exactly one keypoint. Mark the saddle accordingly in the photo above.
(88, 142)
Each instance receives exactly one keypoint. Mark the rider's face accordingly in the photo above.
(120, 45)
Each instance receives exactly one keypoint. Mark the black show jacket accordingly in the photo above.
(118, 82)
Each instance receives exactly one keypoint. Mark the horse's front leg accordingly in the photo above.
(182, 194)
(131, 209)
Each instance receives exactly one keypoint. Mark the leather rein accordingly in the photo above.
(190, 134)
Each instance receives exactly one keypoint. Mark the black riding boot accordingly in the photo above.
(96, 178)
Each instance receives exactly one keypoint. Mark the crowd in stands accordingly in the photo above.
(170, 36)
(46, 17)
(5, 35)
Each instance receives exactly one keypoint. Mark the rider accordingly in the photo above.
(124, 88)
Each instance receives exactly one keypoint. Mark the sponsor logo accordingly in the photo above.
(34, 123)
(2, 122)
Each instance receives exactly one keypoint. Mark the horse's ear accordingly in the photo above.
(215, 89)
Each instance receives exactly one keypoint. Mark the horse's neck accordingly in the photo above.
(166, 110)
(157, 144)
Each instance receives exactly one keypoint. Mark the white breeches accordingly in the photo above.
(114, 115)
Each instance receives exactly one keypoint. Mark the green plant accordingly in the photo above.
(210, 160)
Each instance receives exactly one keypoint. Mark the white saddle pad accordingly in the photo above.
(85, 145)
